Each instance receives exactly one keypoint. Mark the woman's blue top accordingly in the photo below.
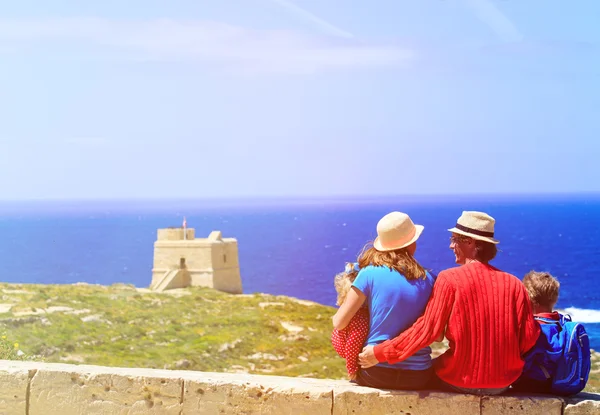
(395, 303)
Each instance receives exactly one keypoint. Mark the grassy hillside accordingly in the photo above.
(195, 329)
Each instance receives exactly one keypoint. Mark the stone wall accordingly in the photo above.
(32, 388)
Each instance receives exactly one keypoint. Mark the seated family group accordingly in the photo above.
(502, 332)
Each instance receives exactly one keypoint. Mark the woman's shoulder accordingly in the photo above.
(374, 269)
(374, 272)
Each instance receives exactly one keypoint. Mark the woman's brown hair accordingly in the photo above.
(399, 260)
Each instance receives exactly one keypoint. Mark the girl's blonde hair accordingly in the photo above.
(343, 281)
(399, 260)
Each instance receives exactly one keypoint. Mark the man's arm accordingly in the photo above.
(425, 330)
(529, 329)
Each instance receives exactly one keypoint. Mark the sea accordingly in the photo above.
(294, 247)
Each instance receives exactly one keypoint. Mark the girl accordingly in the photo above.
(348, 342)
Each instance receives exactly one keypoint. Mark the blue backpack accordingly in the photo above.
(561, 357)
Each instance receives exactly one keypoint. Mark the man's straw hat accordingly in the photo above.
(396, 231)
(476, 225)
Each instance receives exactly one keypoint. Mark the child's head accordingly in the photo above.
(343, 281)
(542, 289)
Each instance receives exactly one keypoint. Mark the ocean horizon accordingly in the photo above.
(295, 246)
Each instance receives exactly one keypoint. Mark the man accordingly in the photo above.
(486, 315)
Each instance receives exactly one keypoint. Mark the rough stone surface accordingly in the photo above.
(34, 388)
(13, 393)
(360, 400)
(215, 393)
(68, 389)
(521, 404)
(583, 403)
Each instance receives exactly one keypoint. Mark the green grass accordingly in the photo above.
(593, 384)
(10, 350)
(153, 330)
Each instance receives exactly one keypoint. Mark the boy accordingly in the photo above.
(559, 363)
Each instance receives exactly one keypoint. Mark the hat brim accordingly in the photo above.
(418, 232)
(473, 236)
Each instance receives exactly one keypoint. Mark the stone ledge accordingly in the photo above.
(33, 388)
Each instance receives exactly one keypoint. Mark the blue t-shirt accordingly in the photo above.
(395, 303)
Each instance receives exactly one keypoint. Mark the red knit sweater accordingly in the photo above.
(489, 325)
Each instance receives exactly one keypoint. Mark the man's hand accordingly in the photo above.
(367, 358)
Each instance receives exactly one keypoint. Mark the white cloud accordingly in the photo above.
(328, 27)
(202, 41)
(495, 19)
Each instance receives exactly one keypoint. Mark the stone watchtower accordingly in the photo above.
(181, 260)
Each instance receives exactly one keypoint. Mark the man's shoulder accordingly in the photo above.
(462, 271)
(499, 271)
(506, 278)
(478, 267)
(506, 275)
(451, 272)
(449, 276)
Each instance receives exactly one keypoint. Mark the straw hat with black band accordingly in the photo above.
(476, 225)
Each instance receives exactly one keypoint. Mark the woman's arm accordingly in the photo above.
(354, 300)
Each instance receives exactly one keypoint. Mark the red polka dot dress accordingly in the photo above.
(349, 342)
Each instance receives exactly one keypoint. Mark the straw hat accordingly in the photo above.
(476, 225)
(396, 231)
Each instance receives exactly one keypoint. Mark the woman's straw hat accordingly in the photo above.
(476, 225)
(396, 231)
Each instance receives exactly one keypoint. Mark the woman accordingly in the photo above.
(396, 288)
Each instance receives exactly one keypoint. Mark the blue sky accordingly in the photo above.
(236, 98)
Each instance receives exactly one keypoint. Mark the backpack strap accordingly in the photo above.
(559, 323)
(548, 320)
(565, 317)
(545, 371)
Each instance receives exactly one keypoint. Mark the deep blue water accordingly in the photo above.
(296, 247)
